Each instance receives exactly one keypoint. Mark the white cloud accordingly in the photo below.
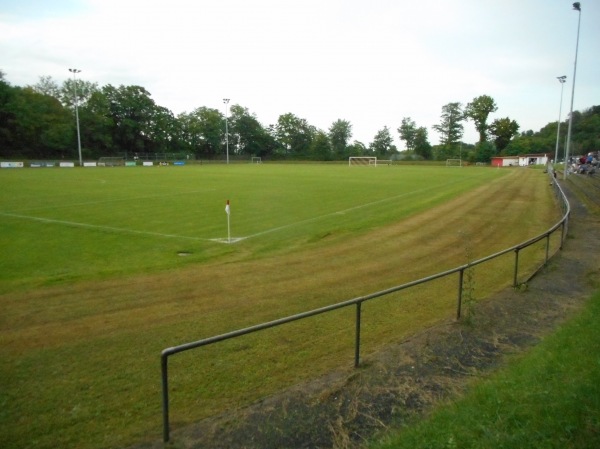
(371, 63)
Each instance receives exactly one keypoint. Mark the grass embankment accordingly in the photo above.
(92, 286)
(548, 398)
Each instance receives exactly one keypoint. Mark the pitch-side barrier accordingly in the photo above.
(561, 225)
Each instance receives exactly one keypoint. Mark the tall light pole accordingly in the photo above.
(75, 71)
(562, 80)
(226, 101)
(576, 7)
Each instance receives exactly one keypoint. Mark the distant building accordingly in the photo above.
(520, 161)
(533, 159)
(505, 161)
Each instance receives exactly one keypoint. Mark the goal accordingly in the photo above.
(368, 161)
(256, 160)
(453, 162)
(111, 161)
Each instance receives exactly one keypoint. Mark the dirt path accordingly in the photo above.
(344, 409)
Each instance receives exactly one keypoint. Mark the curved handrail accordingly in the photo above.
(563, 222)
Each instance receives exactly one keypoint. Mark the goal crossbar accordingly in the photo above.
(362, 160)
(453, 162)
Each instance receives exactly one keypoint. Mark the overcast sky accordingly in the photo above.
(371, 62)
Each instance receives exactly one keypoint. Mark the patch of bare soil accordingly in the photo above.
(404, 381)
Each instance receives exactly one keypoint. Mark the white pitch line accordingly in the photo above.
(104, 228)
(341, 212)
(223, 240)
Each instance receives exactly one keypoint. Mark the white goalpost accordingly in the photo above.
(256, 160)
(453, 162)
(367, 161)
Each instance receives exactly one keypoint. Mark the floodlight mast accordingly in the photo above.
(576, 7)
(75, 71)
(226, 101)
(562, 80)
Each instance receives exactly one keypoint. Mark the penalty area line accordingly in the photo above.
(102, 228)
(353, 208)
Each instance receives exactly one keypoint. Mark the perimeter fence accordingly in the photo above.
(561, 226)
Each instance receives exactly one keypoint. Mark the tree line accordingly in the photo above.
(37, 122)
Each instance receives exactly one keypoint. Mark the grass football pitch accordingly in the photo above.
(102, 268)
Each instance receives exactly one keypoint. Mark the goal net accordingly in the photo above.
(111, 161)
(453, 162)
(256, 160)
(362, 160)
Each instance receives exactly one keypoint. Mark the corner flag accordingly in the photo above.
(228, 225)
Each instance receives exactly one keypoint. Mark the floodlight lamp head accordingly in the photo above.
(225, 100)
(74, 70)
(577, 6)
(562, 79)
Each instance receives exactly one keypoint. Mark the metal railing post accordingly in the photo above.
(516, 267)
(165, 394)
(358, 302)
(357, 336)
(461, 274)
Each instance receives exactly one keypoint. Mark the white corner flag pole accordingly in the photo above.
(228, 212)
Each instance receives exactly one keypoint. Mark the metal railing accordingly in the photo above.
(357, 302)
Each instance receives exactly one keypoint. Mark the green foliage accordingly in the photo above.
(479, 110)
(250, 137)
(34, 125)
(451, 128)
(383, 144)
(484, 151)
(548, 399)
(201, 131)
(340, 134)
(408, 132)
(416, 139)
(503, 130)
(320, 149)
(422, 146)
(585, 136)
(357, 149)
(37, 122)
(294, 134)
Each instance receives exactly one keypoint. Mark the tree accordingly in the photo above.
(84, 89)
(450, 128)
(34, 125)
(408, 132)
(320, 148)
(8, 141)
(479, 110)
(340, 134)
(528, 143)
(294, 135)
(503, 130)
(97, 126)
(134, 116)
(422, 147)
(161, 130)
(383, 143)
(252, 139)
(201, 131)
(484, 151)
(47, 86)
(357, 148)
